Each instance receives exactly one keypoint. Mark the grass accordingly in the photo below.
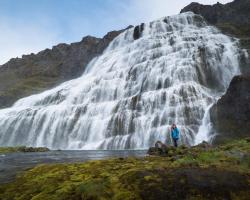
(221, 172)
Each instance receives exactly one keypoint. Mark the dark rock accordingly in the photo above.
(231, 114)
(161, 149)
(35, 73)
(235, 13)
(138, 31)
(204, 146)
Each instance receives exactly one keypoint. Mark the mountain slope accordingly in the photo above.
(35, 73)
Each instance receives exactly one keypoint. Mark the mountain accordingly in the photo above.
(35, 73)
(170, 70)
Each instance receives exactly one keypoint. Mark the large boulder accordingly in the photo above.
(35, 73)
(231, 114)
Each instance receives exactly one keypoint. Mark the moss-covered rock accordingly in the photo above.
(221, 172)
(22, 149)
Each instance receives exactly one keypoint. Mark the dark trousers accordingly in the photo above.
(175, 142)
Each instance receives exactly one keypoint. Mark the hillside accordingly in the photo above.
(36, 73)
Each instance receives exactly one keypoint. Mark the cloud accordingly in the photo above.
(25, 36)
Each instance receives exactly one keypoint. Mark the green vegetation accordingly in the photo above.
(200, 172)
(22, 149)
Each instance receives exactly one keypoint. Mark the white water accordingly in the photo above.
(129, 96)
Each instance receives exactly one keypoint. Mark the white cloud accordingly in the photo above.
(18, 38)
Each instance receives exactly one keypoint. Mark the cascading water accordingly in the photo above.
(130, 95)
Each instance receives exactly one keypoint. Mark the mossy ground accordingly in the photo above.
(22, 149)
(221, 172)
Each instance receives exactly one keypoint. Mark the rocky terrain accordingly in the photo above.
(199, 172)
(35, 73)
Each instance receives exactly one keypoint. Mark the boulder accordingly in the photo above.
(231, 114)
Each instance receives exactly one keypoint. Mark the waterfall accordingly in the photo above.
(129, 96)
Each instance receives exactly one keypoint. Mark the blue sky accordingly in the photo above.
(28, 26)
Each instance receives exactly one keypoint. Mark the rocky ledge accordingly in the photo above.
(201, 172)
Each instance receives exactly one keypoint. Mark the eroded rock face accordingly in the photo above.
(232, 19)
(35, 73)
(231, 114)
(235, 13)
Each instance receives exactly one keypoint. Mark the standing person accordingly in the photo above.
(175, 133)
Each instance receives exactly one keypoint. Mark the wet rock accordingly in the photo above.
(138, 31)
(231, 114)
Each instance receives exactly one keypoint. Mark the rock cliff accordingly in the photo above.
(231, 114)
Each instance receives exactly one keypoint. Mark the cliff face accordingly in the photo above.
(232, 19)
(35, 73)
(231, 114)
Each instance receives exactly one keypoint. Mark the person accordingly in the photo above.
(175, 133)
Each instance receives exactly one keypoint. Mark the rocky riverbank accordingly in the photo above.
(22, 149)
(200, 172)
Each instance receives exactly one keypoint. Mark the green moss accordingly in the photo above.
(22, 149)
(223, 171)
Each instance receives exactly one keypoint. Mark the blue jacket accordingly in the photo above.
(175, 133)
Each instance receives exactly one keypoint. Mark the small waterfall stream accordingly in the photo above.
(130, 95)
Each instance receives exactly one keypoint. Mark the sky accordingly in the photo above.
(29, 26)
